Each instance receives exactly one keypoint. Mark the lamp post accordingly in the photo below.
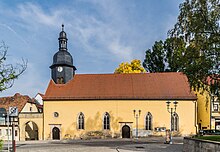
(171, 110)
(137, 114)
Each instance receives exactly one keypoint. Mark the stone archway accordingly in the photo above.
(31, 131)
(56, 133)
(126, 131)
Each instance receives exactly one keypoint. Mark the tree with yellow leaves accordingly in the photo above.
(133, 67)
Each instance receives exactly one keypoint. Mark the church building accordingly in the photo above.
(114, 105)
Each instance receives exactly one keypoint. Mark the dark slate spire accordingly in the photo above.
(62, 69)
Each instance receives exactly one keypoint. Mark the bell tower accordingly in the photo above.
(62, 69)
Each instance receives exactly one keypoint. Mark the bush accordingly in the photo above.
(1, 144)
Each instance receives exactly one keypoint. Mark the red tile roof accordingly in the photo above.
(165, 86)
(17, 100)
(211, 80)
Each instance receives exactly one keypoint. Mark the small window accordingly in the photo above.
(81, 121)
(200, 126)
(56, 114)
(3, 115)
(16, 133)
(215, 107)
(30, 109)
(106, 122)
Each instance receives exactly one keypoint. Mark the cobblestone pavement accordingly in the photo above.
(151, 144)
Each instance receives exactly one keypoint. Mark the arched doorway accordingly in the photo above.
(31, 131)
(56, 133)
(126, 131)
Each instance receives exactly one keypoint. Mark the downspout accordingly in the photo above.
(196, 116)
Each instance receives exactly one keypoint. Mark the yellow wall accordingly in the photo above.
(203, 102)
(36, 118)
(30, 114)
(119, 110)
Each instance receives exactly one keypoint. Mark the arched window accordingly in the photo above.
(175, 122)
(106, 122)
(148, 121)
(81, 121)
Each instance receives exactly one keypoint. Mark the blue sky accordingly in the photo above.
(101, 34)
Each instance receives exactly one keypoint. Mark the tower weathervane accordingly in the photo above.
(62, 27)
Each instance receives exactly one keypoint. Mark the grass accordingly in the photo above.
(212, 137)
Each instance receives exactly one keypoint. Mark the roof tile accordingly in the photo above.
(172, 85)
(17, 100)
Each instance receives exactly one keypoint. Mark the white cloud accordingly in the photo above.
(96, 36)
(101, 34)
(123, 52)
(34, 16)
(13, 31)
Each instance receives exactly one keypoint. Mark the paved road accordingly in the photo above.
(151, 144)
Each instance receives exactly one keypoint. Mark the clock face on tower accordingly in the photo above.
(60, 69)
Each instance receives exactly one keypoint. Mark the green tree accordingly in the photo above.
(165, 56)
(174, 48)
(155, 58)
(133, 67)
(9, 72)
(198, 25)
(193, 45)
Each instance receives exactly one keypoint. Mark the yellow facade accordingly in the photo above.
(79, 105)
(121, 113)
(31, 123)
(203, 101)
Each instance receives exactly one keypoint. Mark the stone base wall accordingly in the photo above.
(198, 145)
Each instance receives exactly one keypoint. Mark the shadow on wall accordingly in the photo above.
(94, 128)
(71, 131)
(94, 124)
(115, 122)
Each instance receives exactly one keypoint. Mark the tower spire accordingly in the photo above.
(62, 40)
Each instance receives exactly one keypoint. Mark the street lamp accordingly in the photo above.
(171, 110)
(137, 114)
